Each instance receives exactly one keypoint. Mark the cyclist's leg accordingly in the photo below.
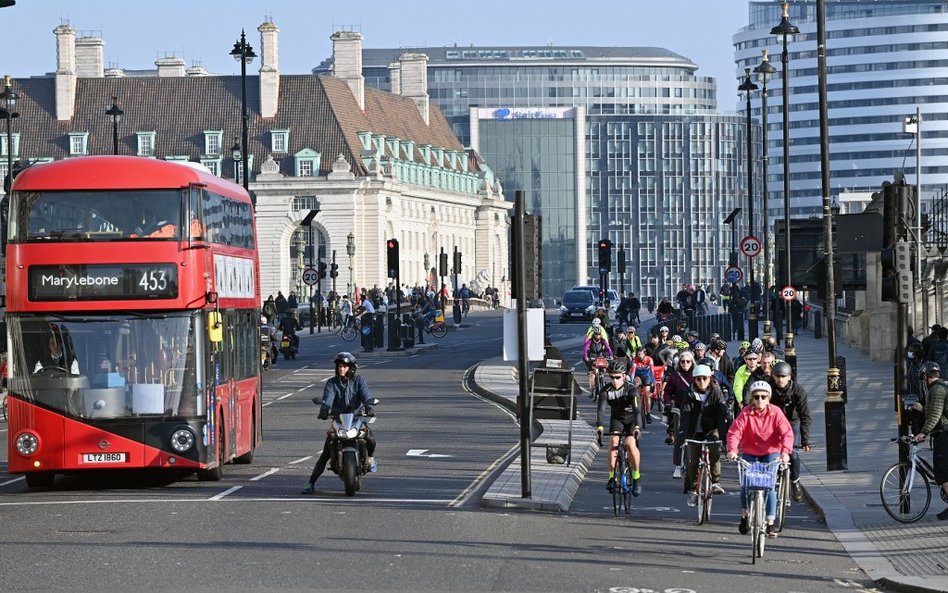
(635, 456)
(714, 456)
(691, 454)
(613, 452)
(794, 465)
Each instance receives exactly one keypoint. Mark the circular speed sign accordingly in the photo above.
(788, 293)
(750, 246)
(310, 276)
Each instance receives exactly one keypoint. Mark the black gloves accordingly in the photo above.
(323, 414)
(369, 412)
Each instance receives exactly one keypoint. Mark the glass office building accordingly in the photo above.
(884, 60)
(638, 154)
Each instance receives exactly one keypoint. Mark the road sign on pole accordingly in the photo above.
(310, 276)
(733, 274)
(750, 246)
(788, 293)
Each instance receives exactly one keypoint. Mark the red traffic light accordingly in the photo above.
(604, 245)
(391, 244)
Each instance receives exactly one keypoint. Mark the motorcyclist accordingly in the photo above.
(344, 393)
(289, 327)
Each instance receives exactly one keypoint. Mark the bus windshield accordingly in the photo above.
(108, 366)
(95, 215)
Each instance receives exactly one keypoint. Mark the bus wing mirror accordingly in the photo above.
(215, 329)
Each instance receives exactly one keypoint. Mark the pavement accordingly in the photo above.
(910, 558)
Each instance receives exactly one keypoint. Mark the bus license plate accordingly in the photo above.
(103, 457)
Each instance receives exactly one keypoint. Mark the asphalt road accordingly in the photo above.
(416, 525)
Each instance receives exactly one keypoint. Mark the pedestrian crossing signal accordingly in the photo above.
(391, 248)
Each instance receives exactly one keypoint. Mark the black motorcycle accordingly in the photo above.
(290, 346)
(349, 458)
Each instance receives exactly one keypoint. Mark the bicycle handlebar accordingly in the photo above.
(715, 442)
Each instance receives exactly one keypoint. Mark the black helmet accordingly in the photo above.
(718, 344)
(349, 359)
(692, 334)
(617, 366)
(931, 369)
(782, 369)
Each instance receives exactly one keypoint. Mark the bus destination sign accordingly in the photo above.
(98, 282)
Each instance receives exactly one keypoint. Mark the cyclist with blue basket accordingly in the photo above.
(622, 397)
(763, 434)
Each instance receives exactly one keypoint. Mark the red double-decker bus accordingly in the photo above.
(132, 319)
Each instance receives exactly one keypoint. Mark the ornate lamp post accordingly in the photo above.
(8, 112)
(427, 266)
(764, 73)
(351, 251)
(785, 29)
(747, 87)
(116, 113)
(243, 53)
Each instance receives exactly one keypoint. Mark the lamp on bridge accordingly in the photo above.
(116, 113)
(243, 53)
(765, 72)
(747, 87)
(351, 251)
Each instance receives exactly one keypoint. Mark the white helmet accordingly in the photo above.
(597, 321)
(760, 386)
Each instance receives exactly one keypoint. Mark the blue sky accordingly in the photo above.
(204, 30)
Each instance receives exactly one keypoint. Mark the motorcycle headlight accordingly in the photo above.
(352, 433)
(182, 440)
(27, 443)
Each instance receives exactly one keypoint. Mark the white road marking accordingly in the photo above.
(269, 472)
(331, 499)
(424, 453)
(225, 493)
(301, 459)
(466, 493)
(17, 479)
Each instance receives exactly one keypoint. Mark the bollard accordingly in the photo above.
(790, 353)
(394, 332)
(379, 330)
(817, 323)
(834, 410)
(368, 341)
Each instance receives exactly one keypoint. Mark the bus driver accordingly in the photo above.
(56, 357)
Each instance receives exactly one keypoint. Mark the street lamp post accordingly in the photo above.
(785, 29)
(116, 113)
(8, 112)
(351, 251)
(427, 265)
(747, 87)
(764, 73)
(243, 53)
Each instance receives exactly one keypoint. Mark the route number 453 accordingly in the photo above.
(154, 281)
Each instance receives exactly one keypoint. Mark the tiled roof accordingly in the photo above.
(320, 113)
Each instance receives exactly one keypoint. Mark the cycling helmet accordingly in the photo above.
(782, 369)
(931, 369)
(702, 370)
(745, 344)
(630, 328)
(681, 324)
(692, 334)
(676, 338)
(663, 328)
(699, 346)
(715, 336)
(708, 362)
(718, 344)
(682, 345)
(597, 322)
(349, 359)
(597, 331)
(760, 386)
(757, 345)
(617, 366)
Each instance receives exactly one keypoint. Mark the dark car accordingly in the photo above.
(578, 305)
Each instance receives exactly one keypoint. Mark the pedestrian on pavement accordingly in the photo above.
(703, 417)
(281, 305)
(916, 386)
(936, 421)
(790, 396)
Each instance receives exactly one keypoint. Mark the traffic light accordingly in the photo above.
(457, 262)
(605, 256)
(322, 268)
(896, 254)
(333, 270)
(442, 264)
(391, 249)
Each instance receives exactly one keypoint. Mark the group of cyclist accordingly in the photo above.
(749, 403)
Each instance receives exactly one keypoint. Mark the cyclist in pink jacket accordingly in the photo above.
(764, 434)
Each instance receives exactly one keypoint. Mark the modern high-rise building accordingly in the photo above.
(884, 61)
(623, 143)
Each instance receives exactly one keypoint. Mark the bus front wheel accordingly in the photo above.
(215, 474)
(40, 479)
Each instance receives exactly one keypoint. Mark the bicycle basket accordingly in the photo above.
(601, 363)
(759, 475)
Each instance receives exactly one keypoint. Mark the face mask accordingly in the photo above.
(910, 355)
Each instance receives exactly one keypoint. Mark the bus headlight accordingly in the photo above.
(27, 443)
(182, 440)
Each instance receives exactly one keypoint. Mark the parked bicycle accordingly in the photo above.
(702, 484)
(757, 478)
(906, 487)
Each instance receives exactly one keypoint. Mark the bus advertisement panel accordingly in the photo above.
(132, 319)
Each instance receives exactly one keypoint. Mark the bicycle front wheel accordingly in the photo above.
(783, 497)
(439, 330)
(349, 333)
(906, 493)
(627, 487)
(617, 485)
(704, 494)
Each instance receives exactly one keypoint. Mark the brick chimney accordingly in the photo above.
(395, 76)
(347, 62)
(90, 57)
(269, 69)
(65, 71)
(414, 80)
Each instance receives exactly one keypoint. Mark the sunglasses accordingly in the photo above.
(702, 378)
(615, 376)
(759, 397)
(686, 362)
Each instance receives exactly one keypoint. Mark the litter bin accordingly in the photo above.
(368, 340)
(408, 331)
(379, 330)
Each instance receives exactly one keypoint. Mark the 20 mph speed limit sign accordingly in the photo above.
(788, 293)
(750, 246)
(310, 276)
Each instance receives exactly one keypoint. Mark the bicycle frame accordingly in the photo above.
(897, 487)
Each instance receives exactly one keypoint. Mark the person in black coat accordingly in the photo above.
(704, 414)
(790, 397)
